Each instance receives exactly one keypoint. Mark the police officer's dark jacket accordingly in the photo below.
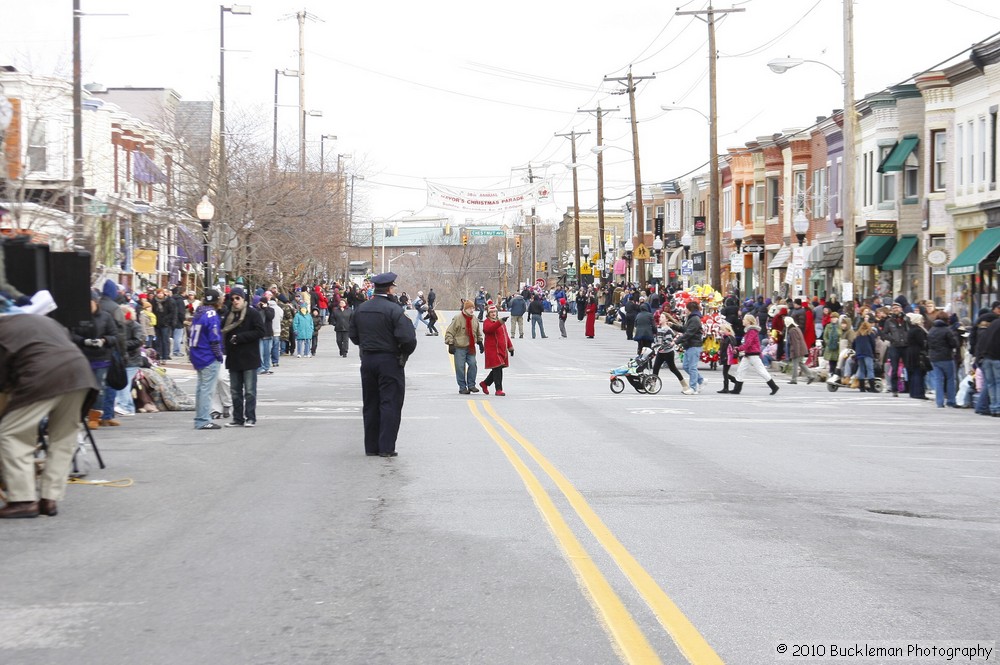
(379, 326)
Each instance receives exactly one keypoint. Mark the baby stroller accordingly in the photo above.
(638, 371)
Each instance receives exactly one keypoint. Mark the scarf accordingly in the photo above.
(468, 331)
(232, 322)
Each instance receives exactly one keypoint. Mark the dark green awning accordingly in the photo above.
(896, 158)
(897, 257)
(967, 263)
(873, 250)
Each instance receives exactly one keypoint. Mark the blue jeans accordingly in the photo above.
(101, 375)
(302, 346)
(465, 368)
(537, 319)
(991, 382)
(866, 367)
(944, 382)
(178, 341)
(275, 351)
(265, 353)
(243, 388)
(692, 356)
(203, 396)
(124, 397)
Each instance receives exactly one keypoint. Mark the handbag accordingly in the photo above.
(117, 376)
(924, 362)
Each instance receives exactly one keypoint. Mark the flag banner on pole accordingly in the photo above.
(487, 200)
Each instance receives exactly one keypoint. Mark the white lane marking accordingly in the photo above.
(947, 459)
(982, 477)
(862, 445)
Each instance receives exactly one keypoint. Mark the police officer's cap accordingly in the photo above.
(384, 279)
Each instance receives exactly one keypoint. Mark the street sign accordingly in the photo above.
(657, 271)
(571, 271)
(485, 232)
(600, 264)
(687, 267)
(540, 282)
(799, 256)
(735, 262)
(753, 249)
(585, 269)
(641, 252)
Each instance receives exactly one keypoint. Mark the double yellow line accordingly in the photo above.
(627, 638)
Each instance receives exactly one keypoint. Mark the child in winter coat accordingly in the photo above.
(317, 317)
(728, 355)
(302, 326)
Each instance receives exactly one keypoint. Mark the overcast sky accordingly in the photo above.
(463, 93)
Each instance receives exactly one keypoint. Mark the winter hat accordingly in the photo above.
(211, 297)
(789, 322)
(466, 304)
(916, 318)
(238, 291)
(490, 307)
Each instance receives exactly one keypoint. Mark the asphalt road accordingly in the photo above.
(558, 524)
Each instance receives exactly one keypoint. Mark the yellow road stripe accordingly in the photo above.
(681, 630)
(628, 638)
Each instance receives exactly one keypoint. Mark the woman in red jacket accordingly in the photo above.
(497, 348)
(591, 316)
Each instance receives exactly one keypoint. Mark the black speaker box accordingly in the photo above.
(27, 265)
(69, 283)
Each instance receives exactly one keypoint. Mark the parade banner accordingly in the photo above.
(487, 200)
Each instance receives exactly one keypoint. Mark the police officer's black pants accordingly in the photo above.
(383, 386)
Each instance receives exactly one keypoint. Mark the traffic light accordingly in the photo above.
(545, 266)
(517, 242)
(465, 239)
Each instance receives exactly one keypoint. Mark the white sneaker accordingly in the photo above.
(687, 391)
(297, 355)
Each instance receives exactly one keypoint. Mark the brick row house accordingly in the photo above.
(927, 207)
(137, 184)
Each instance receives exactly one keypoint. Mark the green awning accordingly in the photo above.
(896, 158)
(897, 257)
(873, 250)
(985, 244)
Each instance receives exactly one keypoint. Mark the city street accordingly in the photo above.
(559, 524)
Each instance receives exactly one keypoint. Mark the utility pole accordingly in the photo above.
(600, 175)
(714, 227)
(301, 18)
(850, 132)
(534, 259)
(77, 193)
(576, 202)
(630, 88)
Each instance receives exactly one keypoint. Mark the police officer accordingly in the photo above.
(386, 338)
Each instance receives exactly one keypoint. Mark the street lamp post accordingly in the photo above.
(274, 137)
(686, 241)
(302, 148)
(322, 149)
(628, 257)
(658, 250)
(205, 211)
(738, 232)
(800, 224)
(234, 9)
(847, 202)
(398, 256)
